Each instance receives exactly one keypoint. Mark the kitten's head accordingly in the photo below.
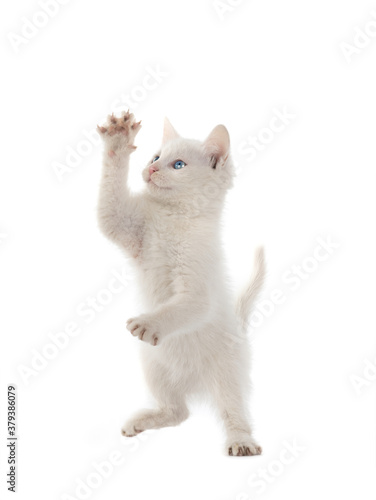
(190, 171)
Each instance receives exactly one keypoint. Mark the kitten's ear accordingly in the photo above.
(217, 145)
(169, 132)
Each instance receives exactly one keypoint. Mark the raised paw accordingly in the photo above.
(142, 421)
(246, 447)
(119, 133)
(145, 329)
(130, 429)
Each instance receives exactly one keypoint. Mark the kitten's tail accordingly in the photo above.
(246, 299)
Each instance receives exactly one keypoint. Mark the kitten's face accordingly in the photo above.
(185, 169)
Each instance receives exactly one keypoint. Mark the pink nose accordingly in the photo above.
(152, 169)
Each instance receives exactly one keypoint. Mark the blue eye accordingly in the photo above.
(155, 159)
(179, 164)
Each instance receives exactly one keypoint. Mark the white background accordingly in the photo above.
(313, 179)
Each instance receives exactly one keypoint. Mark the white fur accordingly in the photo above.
(192, 330)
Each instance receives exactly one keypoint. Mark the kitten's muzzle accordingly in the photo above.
(152, 169)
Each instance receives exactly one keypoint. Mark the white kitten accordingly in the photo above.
(193, 332)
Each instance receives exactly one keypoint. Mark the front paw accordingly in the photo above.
(119, 133)
(145, 329)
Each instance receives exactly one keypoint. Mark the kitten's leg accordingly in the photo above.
(187, 309)
(231, 402)
(172, 407)
(165, 416)
(119, 212)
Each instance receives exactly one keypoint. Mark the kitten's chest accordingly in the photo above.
(166, 242)
(164, 252)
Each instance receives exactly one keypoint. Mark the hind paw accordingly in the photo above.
(242, 448)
